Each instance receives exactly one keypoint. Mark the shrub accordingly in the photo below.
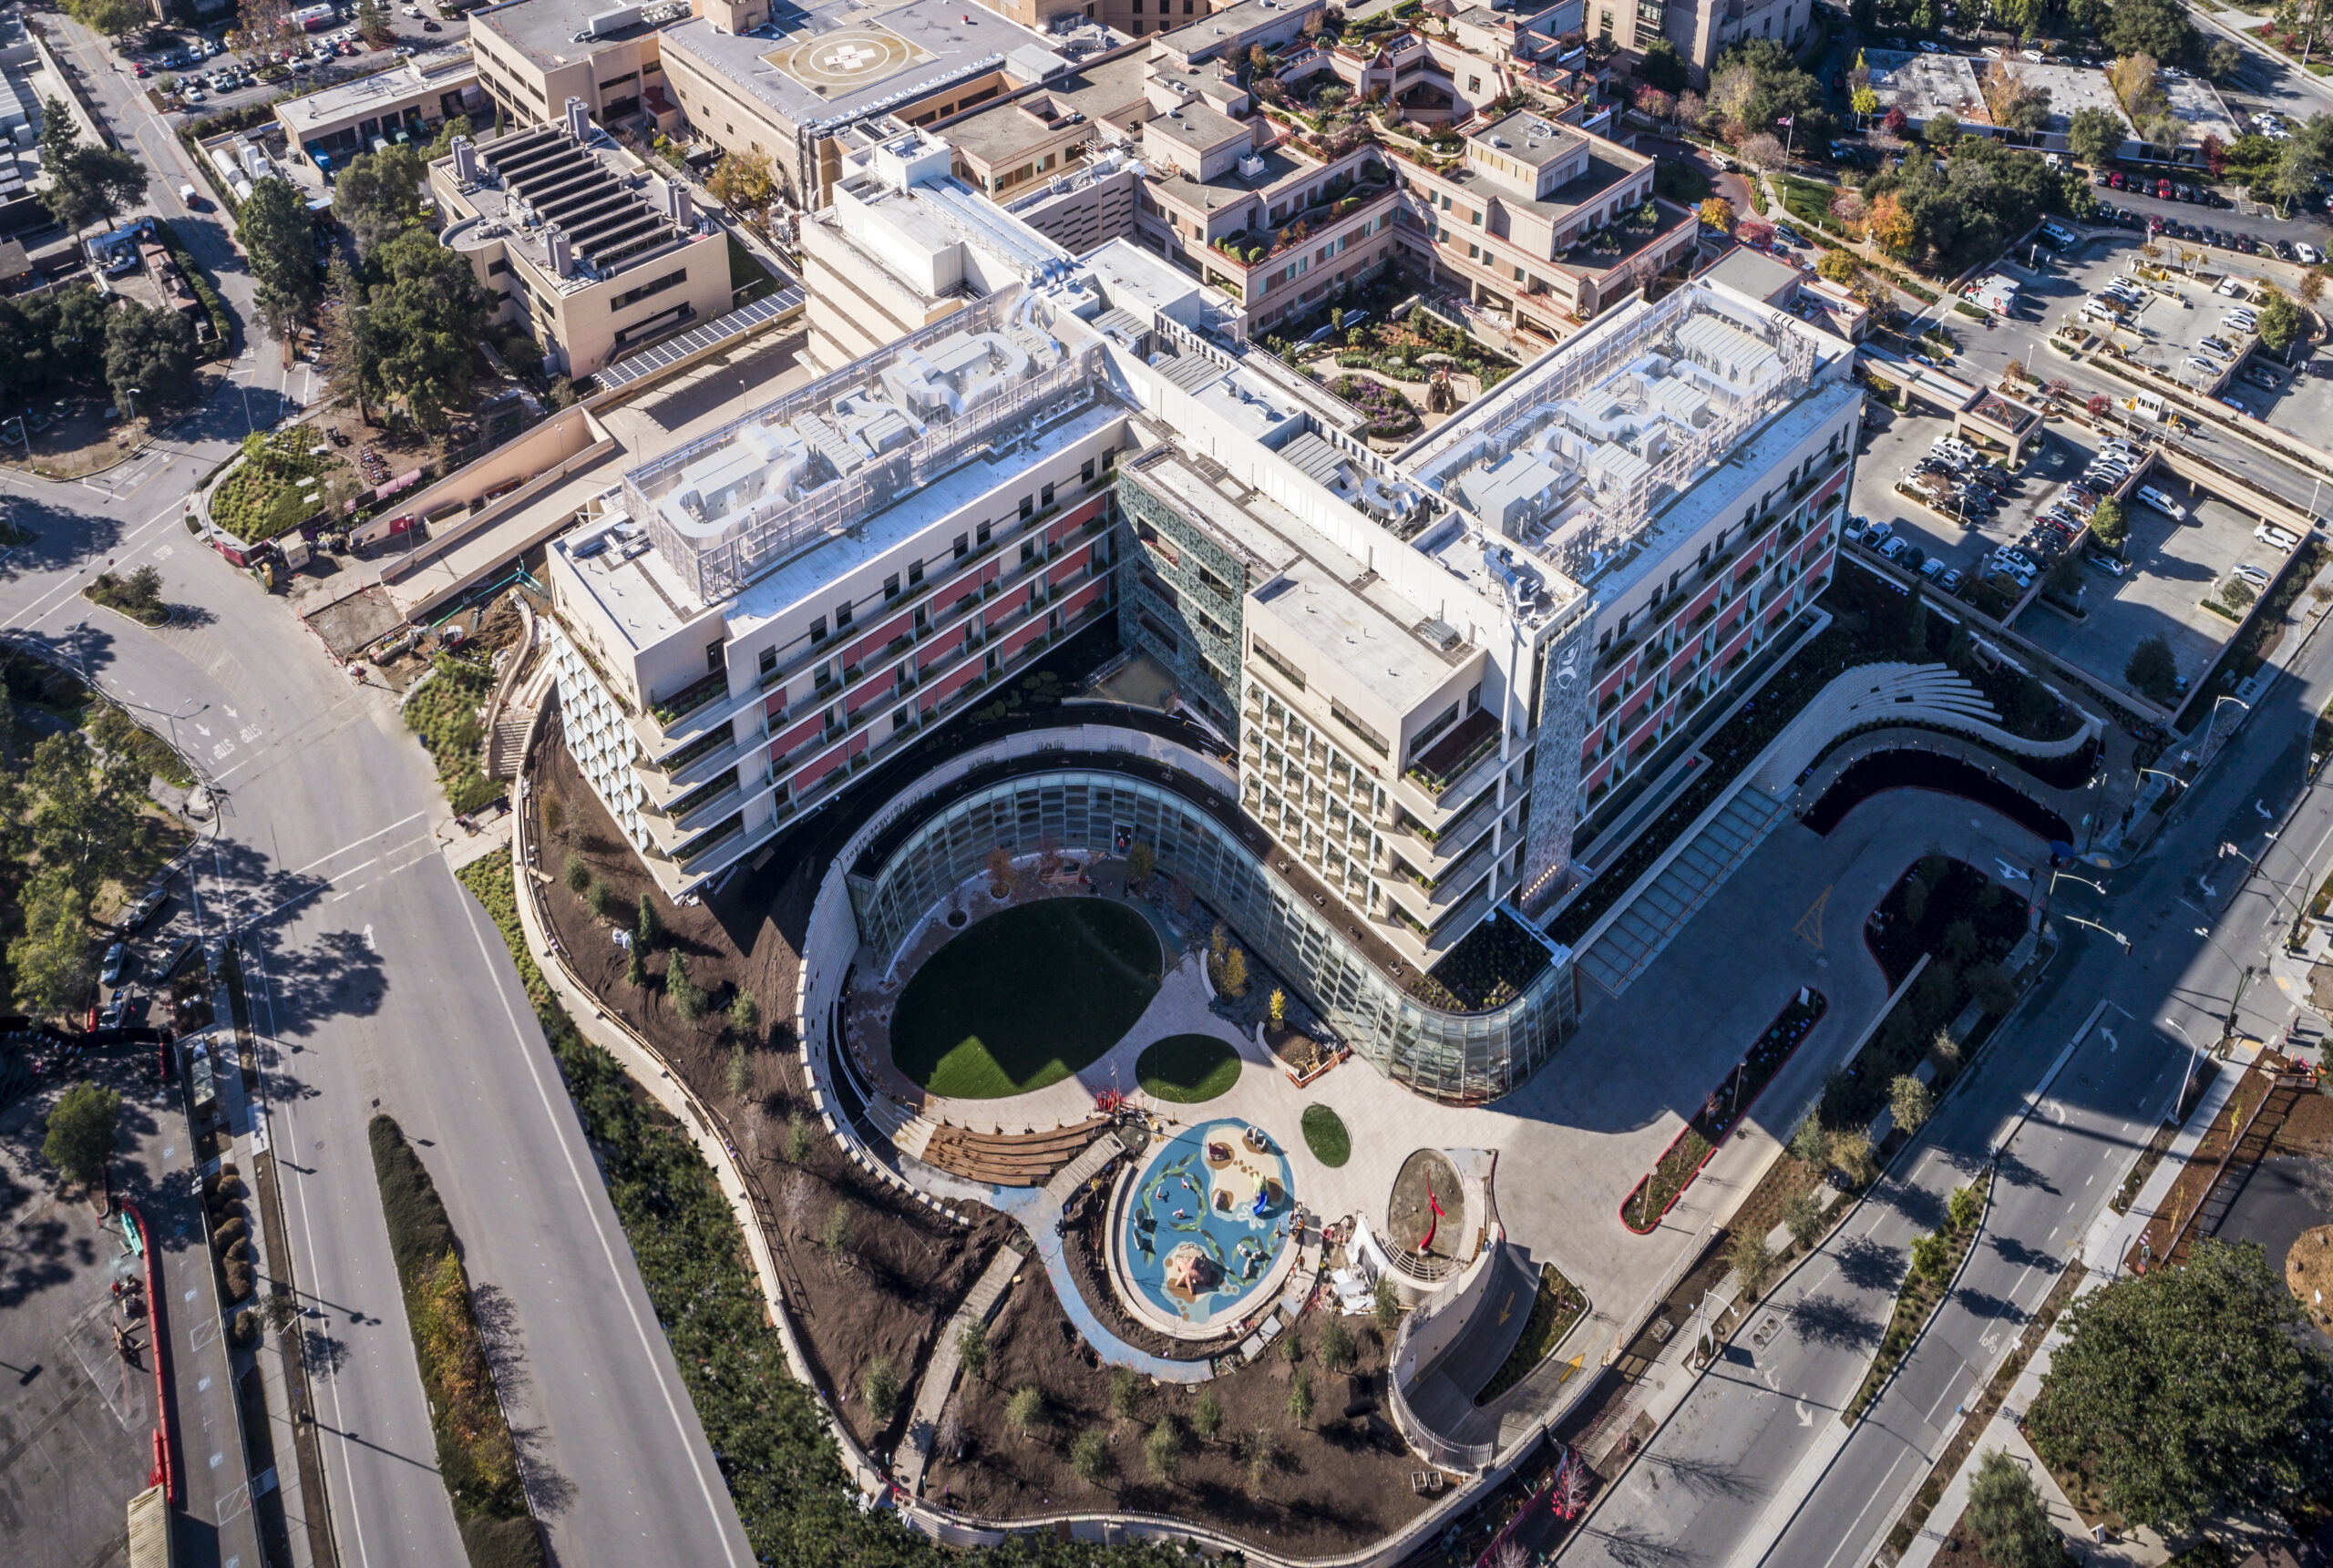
(1752, 1258)
(1931, 1254)
(1264, 1455)
(651, 924)
(1024, 1412)
(1336, 1345)
(687, 999)
(579, 875)
(841, 1235)
(237, 1271)
(797, 1137)
(1911, 1099)
(1964, 1207)
(1125, 1391)
(243, 1332)
(1804, 1218)
(1162, 1451)
(603, 901)
(1207, 1416)
(881, 1387)
(1385, 1305)
(1299, 1396)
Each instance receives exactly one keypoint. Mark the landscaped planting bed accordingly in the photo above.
(1488, 968)
(1390, 414)
(1554, 1310)
(1187, 1069)
(1655, 1195)
(266, 496)
(444, 711)
(1325, 1136)
(1936, 1258)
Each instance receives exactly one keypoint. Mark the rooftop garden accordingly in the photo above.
(1341, 197)
(1391, 416)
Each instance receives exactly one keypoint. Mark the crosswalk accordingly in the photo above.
(1645, 926)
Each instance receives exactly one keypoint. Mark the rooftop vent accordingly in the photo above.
(1439, 635)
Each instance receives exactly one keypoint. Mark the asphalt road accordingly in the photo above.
(375, 984)
(1713, 1472)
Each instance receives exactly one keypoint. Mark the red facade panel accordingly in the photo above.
(876, 641)
(786, 744)
(1078, 601)
(866, 693)
(939, 691)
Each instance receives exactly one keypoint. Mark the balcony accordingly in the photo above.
(1443, 763)
(705, 807)
(669, 710)
(708, 763)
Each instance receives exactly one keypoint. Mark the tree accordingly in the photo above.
(2109, 524)
(51, 957)
(741, 1071)
(1762, 152)
(1749, 1258)
(635, 965)
(378, 196)
(1811, 1145)
(425, 319)
(2153, 670)
(745, 1015)
(111, 18)
(1718, 214)
(686, 997)
(1663, 68)
(1141, 861)
(2312, 285)
(1299, 1396)
(1385, 1305)
(1963, 1207)
(1851, 1156)
(1235, 973)
(81, 1131)
(2095, 134)
(1895, 122)
(1839, 267)
(1865, 102)
(349, 357)
(1912, 1102)
(1942, 129)
(280, 240)
(1089, 1456)
(1207, 1416)
(971, 1347)
(2156, 27)
(372, 24)
(2188, 1391)
(1024, 1412)
(88, 183)
(2007, 1519)
(745, 182)
(1804, 1216)
(149, 356)
(2281, 322)
(2295, 175)
(651, 929)
(1336, 1346)
(85, 811)
(1162, 1449)
(262, 22)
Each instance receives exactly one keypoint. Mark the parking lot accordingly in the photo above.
(1900, 440)
(2174, 567)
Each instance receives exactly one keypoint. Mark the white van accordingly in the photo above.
(2279, 539)
(2058, 234)
(2161, 503)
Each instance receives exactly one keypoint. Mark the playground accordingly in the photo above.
(1207, 1223)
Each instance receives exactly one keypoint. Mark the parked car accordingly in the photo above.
(2252, 574)
(1953, 581)
(1894, 549)
(2109, 565)
(2270, 534)
(109, 972)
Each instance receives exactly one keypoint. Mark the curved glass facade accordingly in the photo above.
(1468, 1057)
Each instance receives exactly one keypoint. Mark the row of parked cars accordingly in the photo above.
(2158, 187)
(1953, 479)
(2060, 524)
(1891, 546)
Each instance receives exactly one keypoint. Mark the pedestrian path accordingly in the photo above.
(1654, 915)
(939, 1373)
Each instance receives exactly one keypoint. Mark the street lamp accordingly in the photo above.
(2069, 876)
(2078, 921)
(2242, 982)
(2227, 848)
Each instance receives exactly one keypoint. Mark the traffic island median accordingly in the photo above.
(1937, 1260)
(477, 1458)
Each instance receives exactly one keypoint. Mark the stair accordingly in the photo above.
(1655, 914)
(505, 748)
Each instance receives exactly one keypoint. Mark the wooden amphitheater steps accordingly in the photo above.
(1000, 1159)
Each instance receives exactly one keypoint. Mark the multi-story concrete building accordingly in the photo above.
(409, 103)
(1542, 222)
(534, 55)
(1007, 147)
(904, 245)
(587, 251)
(1700, 29)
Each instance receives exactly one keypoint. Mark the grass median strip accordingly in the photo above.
(477, 1458)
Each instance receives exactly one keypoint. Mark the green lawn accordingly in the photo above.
(1682, 183)
(1025, 998)
(1187, 1068)
(1325, 1136)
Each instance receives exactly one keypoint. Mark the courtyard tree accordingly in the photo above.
(686, 997)
(746, 1017)
(650, 931)
(2186, 1393)
(2109, 524)
(1299, 1396)
(1126, 1393)
(82, 1126)
(1024, 1412)
(1385, 1305)
(2153, 670)
(741, 1071)
(1207, 1416)
(2007, 1517)
(1141, 861)
(745, 180)
(1235, 973)
(1336, 1346)
(427, 313)
(635, 963)
(578, 874)
(1718, 214)
(841, 1234)
(1089, 1456)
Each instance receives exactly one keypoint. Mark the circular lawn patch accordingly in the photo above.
(1325, 1136)
(1187, 1068)
(1025, 998)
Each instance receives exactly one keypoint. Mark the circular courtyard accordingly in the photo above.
(1025, 998)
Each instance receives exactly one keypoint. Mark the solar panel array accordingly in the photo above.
(673, 350)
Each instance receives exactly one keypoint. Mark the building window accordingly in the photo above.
(979, 535)
(915, 572)
(1086, 473)
(713, 656)
(1294, 676)
(1028, 506)
(891, 588)
(769, 660)
(1046, 497)
(963, 546)
(1367, 736)
(819, 630)
(842, 616)
(1216, 585)
(633, 296)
